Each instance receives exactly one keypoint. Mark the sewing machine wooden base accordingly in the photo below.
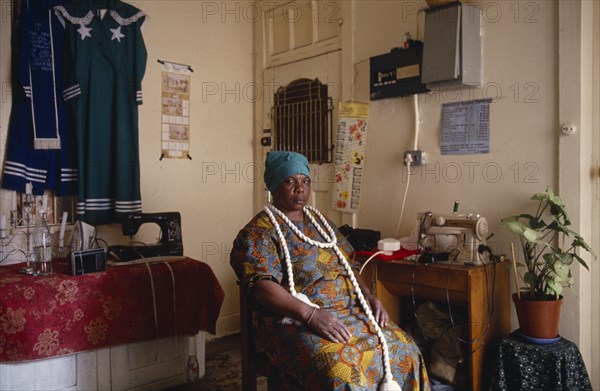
(465, 285)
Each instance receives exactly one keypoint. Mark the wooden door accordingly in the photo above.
(297, 40)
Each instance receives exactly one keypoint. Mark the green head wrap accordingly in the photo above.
(281, 164)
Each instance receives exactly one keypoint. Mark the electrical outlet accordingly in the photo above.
(417, 158)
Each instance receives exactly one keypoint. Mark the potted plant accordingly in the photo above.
(549, 248)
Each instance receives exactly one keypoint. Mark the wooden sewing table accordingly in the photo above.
(464, 286)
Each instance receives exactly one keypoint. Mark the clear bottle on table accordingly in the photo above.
(42, 246)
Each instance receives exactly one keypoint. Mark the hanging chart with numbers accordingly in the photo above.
(175, 110)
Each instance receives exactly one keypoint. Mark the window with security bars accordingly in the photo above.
(301, 120)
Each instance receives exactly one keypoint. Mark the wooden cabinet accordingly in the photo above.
(462, 285)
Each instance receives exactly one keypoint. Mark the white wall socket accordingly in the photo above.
(418, 158)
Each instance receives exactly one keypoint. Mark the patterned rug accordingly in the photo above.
(224, 373)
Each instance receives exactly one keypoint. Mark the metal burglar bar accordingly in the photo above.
(302, 120)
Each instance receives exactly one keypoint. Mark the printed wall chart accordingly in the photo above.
(350, 156)
(465, 127)
(175, 110)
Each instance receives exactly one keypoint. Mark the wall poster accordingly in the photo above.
(350, 156)
(175, 110)
(465, 127)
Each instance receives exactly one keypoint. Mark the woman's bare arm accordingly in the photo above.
(275, 298)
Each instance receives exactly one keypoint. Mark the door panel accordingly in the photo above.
(326, 68)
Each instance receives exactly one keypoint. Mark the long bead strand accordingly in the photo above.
(289, 270)
(389, 383)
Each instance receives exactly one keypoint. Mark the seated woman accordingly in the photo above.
(323, 328)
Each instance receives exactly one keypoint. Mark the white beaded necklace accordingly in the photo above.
(331, 242)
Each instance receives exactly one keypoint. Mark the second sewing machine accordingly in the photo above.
(170, 242)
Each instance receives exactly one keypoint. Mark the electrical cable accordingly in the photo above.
(421, 229)
(368, 260)
(417, 120)
(4, 245)
(403, 199)
(481, 338)
(414, 303)
(8, 254)
(100, 240)
(154, 303)
(408, 161)
(489, 300)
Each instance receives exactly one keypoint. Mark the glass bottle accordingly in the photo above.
(193, 369)
(42, 247)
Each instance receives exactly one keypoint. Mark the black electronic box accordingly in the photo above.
(87, 261)
(397, 73)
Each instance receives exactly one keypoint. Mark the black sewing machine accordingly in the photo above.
(170, 239)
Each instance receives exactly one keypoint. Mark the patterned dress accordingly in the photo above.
(300, 359)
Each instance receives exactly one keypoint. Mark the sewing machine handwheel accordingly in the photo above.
(440, 221)
(481, 228)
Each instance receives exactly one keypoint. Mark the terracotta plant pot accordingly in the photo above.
(538, 319)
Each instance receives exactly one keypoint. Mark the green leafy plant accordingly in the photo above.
(547, 265)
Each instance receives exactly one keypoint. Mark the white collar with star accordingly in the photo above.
(63, 14)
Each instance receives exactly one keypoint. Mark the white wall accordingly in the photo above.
(522, 122)
(519, 74)
(214, 190)
(522, 67)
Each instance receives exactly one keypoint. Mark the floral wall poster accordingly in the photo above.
(350, 153)
(175, 110)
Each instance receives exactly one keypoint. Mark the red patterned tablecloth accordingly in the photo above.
(43, 317)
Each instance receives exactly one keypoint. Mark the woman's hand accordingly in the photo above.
(275, 298)
(329, 327)
(380, 314)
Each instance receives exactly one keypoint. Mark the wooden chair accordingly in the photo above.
(254, 360)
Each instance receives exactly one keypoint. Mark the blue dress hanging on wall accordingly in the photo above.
(40, 146)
